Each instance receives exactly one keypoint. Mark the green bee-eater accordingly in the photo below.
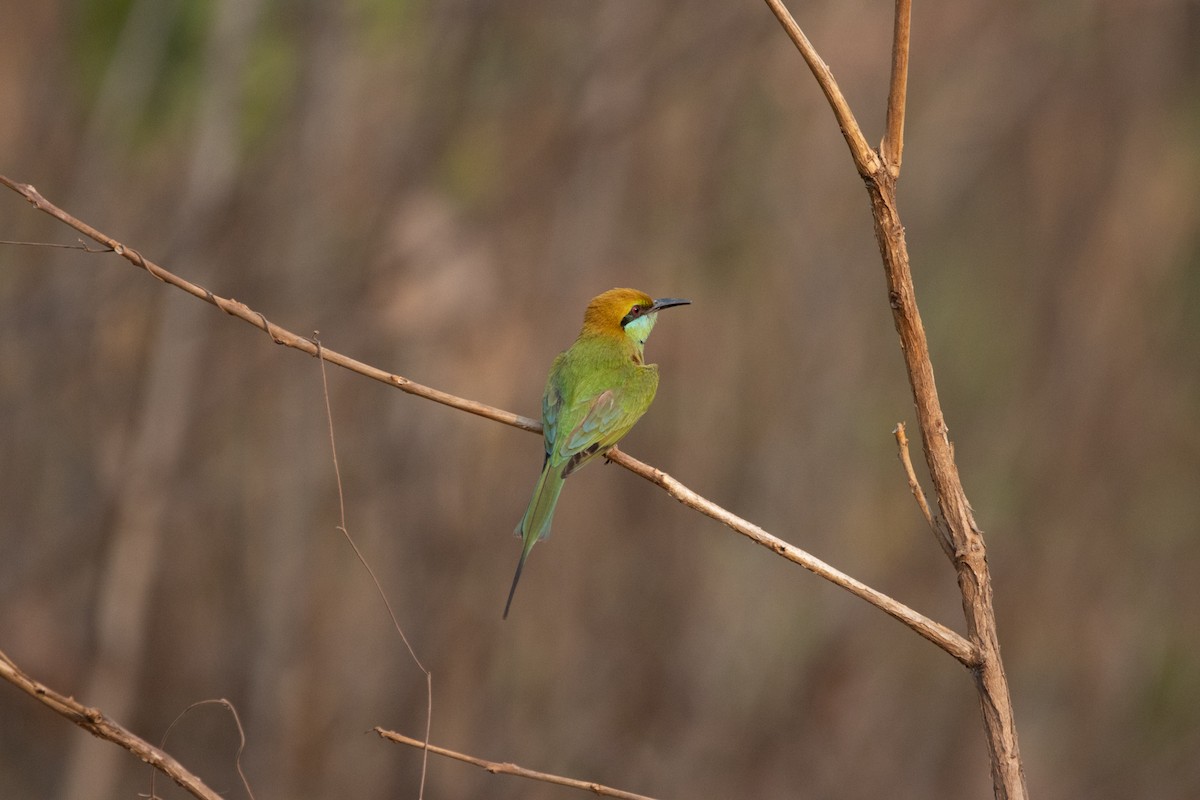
(596, 390)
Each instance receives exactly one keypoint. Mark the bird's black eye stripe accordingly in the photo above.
(633, 314)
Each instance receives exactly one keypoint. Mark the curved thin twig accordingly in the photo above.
(387, 604)
(237, 760)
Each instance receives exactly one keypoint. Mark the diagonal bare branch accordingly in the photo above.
(865, 158)
(504, 768)
(96, 723)
(258, 320)
(935, 632)
(939, 634)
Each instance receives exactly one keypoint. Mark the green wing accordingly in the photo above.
(585, 417)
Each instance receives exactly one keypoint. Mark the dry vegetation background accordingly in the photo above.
(439, 187)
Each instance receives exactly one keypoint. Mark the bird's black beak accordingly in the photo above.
(667, 302)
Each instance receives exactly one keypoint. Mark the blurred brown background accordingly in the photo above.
(439, 188)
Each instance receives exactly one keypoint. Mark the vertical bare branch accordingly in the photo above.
(968, 551)
(892, 148)
(965, 547)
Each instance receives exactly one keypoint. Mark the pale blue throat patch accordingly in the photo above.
(639, 329)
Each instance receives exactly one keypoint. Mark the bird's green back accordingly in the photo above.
(596, 391)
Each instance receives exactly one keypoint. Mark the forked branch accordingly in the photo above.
(963, 541)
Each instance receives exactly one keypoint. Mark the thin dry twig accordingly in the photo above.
(96, 723)
(499, 768)
(362, 560)
(81, 246)
(948, 640)
(865, 158)
(237, 720)
(914, 485)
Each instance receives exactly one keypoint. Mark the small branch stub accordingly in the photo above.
(918, 493)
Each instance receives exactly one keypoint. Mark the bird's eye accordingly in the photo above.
(633, 312)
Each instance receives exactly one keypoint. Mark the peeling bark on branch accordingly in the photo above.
(963, 539)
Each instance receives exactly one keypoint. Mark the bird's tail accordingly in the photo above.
(535, 525)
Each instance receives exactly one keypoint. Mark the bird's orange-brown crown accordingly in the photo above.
(605, 312)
